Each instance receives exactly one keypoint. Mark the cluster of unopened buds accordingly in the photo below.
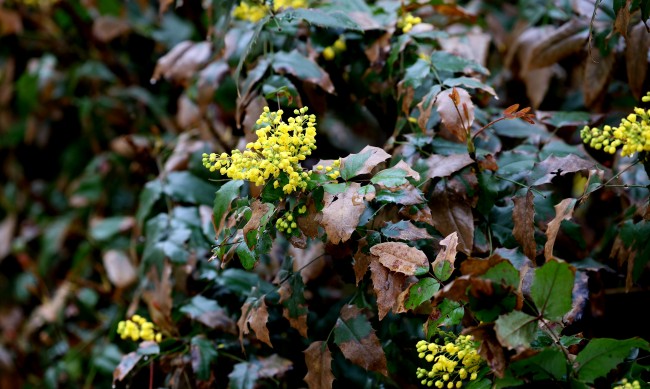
(625, 384)
(254, 11)
(632, 134)
(275, 155)
(287, 222)
(333, 171)
(338, 46)
(453, 361)
(138, 328)
(407, 21)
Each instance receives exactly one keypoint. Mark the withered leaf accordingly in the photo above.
(405, 230)
(458, 289)
(537, 82)
(159, 298)
(544, 171)
(636, 58)
(523, 216)
(598, 71)
(341, 216)
(417, 214)
(182, 62)
(318, 359)
(274, 366)
(387, 286)
(259, 210)
(254, 313)
(490, 349)
(119, 269)
(127, 363)
(443, 265)
(311, 255)
(400, 257)
(455, 118)
(362, 162)
(478, 266)
(358, 342)
(446, 165)
(361, 261)
(294, 310)
(563, 211)
(106, 28)
(451, 213)
(623, 19)
(560, 43)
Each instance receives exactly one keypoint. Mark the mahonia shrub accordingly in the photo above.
(137, 328)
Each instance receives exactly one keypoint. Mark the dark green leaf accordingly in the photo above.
(244, 376)
(186, 187)
(550, 363)
(334, 19)
(421, 291)
(551, 289)
(602, 355)
(390, 177)
(445, 61)
(246, 256)
(225, 195)
(516, 329)
(303, 68)
(198, 306)
(148, 197)
(203, 352)
(351, 330)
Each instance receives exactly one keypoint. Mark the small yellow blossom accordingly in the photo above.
(254, 11)
(407, 21)
(138, 328)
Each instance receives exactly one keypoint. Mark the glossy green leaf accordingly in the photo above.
(469, 82)
(390, 177)
(203, 353)
(303, 68)
(225, 195)
(445, 61)
(186, 187)
(244, 376)
(421, 291)
(550, 363)
(199, 305)
(246, 256)
(516, 329)
(352, 330)
(333, 19)
(148, 197)
(552, 288)
(602, 355)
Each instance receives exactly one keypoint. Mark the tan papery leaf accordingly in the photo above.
(318, 359)
(387, 286)
(341, 217)
(400, 257)
(563, 211)
(454, 119)
(523, 215)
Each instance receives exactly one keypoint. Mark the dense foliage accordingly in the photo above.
(335, 193)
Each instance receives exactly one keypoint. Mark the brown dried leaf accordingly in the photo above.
(400, 257)
(563, 211)
(51, 309)
(361, 261)
(318, 359)
(341, 216)
(425, 113)
(523, 216)
(7, 229)
(471, 44)
(554, 166)
(478, 266)
(258, 210)
(451, 213)
(598, 71)
(407, 168)
(10, 22)
(159, 298)
(119, 269)
(537, 82)
(106, 28)
(273, 366)
(453, 116)
(127, 363)
(254, 314)
(490, 349)
(387, 286)
(623, 19)
(636, 58)
(186, 146)
(448, 253)
(365, 352)
(299, 323)
(182, 62)
(411, 232)
(375, 157)
(488, 163)
(446, 165)
(310, 255)
(551, 47)
(457, 290)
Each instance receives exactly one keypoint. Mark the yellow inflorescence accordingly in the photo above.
(287, 223)
(633, 134)
(452, 362)
(278, 150)
(338, 46)
(407, 21)
(625, 384)
(138, 328)
(255, 12)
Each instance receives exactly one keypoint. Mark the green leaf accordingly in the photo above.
(550, 363)
(503, 272)
(390, 177)
(203, 352)
(421, 291)
(244, 376)
(225, 195)
(241, 282)
(602, 355)
(552, 288)
(443, 60)
(198, 306)
(410, 196)
(246, 256)
(334, 19)
(148, 197)
(148, 348)
(186, 187)
(451, 314)
(469, 82)
(303, 68)
(335, 188)
(416, 73)
(351, 330)
(363, 162)
(516, 329)
(109, 227)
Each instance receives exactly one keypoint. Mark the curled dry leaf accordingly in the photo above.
(359, 343)
(361, 261)
(523, 216)
(446, 255)
(254, 313)
(341, 216)
(636, 58)
(456, 120)
(119, 269)
(387, 286)
(446, 165)
(127, 363)
(451, 213)
(106, 28)
(563, 211)
(159, 297)
(598, 71)
(182, 62)
(400, 257)
(318, 359)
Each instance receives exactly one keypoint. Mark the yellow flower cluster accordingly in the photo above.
(333, 171)
(287, 223)
(276, 154)
(633, 134)
(337, 47)
(625, 384)
(453, 362)
(138, 328)
(255, 12)
(407, 21)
